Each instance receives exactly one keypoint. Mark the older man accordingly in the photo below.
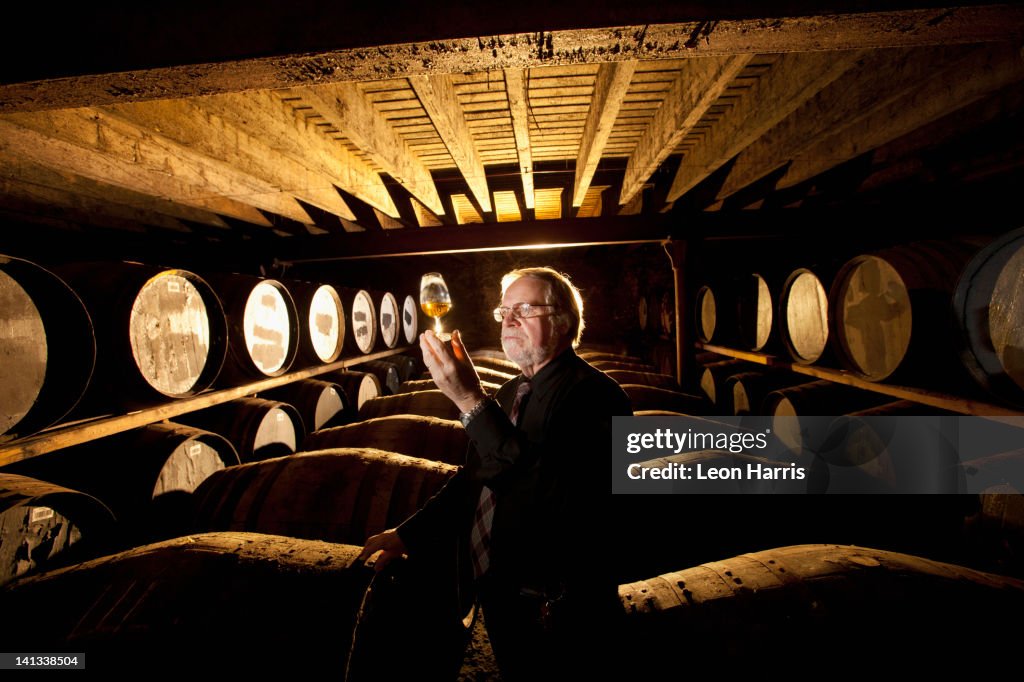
(528, 505)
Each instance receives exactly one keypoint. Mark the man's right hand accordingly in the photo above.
(390, 546)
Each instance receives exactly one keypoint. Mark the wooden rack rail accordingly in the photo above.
(76, 433)
(953, 403)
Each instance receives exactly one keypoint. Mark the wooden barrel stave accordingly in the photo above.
(45, 525)
(320, 404)
(988, 307)
(48, 344)
(425, 403)
(258, 428)
(430, 438)
(337, 494)
(244, 603)
(747, 607)
(644, 397)
(144, 476)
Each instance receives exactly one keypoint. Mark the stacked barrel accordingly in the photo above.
(125, 336)
(909, 313)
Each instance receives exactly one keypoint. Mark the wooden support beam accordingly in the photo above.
(793, 79)
(982, 73)
(209, 134)
(714, 31)
(274, 120)
(437, 95)
(139, 148)
(344, 106)
(20, 169)
(696, 88)
(609, 90)
(86, 210)
(878, 79)
(515, 88)
(36, 143)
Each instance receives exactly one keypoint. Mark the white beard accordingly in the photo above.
(529, 356)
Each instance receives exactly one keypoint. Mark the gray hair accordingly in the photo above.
(561, 292)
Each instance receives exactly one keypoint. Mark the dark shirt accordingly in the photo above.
(550, 476)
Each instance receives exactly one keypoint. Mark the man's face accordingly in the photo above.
(533, 341)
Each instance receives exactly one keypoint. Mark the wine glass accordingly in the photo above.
(435, 300)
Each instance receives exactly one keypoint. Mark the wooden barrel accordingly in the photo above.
(321, 404)
(160, 333)
(718, 317)
(425, 403)
(263, 327)
(646, 397)
(358, 386)
(712, 381)
(592, 356)
(339, 495)
(490, 388)
(495, 352)
(747, 608)
(596, 347)
(623, 376)
(389, 317)
(410, 319)
(890, 310)
(145, 476)
(362, 322)
(47, 344)
(803, 316)
(321, 322)
(244, 603)
(386, 373)
(408, 367)
(44, 525)
(994, 533)
(988, 308)
(494, 363)
(439, 440)
(259, 429)
(605, 365)
(749, 389)
(495, 376)
(871, 451)
(813, 401)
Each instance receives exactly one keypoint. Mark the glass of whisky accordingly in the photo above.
(435, 300)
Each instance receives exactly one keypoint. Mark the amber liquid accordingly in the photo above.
(436, 309)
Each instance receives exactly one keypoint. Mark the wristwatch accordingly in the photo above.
(468, 416)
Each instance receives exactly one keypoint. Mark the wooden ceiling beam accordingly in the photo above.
(981, 74)
(879, 78)
(439, 99)
(124, 79)
(697, 86)
(515, 87)
(792, 80)
(609, 90)
(346, 108)
(102, 132)
(81, 209)
(275, 121)
(22, 170)
(209, 134)
(36, 142)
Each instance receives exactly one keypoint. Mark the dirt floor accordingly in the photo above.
(478, 664)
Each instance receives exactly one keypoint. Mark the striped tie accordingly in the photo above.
(480, 537)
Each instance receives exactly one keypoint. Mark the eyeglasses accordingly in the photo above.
(520, 310)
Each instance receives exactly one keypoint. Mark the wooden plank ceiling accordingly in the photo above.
(613, 135)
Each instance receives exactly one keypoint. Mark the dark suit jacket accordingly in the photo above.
(550, 475)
